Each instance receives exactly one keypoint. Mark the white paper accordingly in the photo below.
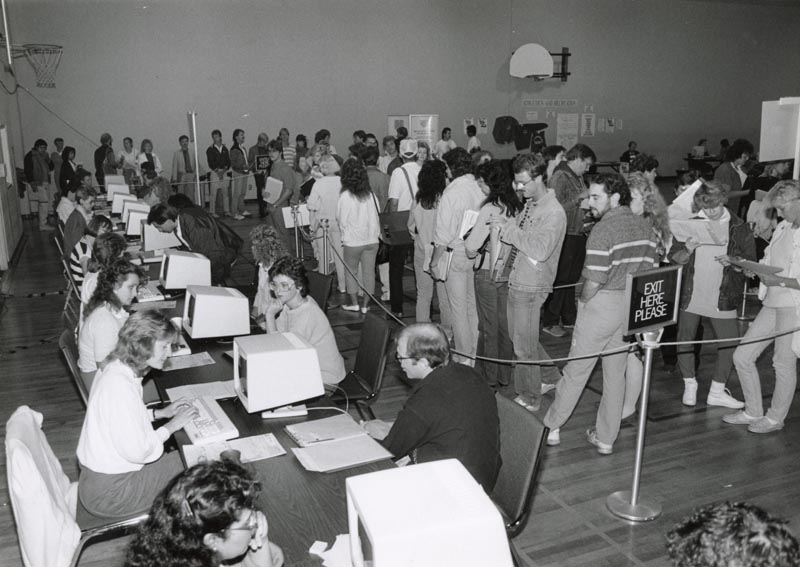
(587, 125)
(339, 553)
(532, 115)
(216, 390)
(302, 216)
(467, 222)
(272, 190)
(567, 129)
(254, 448)
(483, 125)
(699, 230)
(188, 361)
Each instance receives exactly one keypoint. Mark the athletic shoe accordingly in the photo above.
(385, 296)
(555, 331)
(246, 213)
(739, 418)
(530, 406)
(238, 217)
(765, 425)
(364, 310)
(554, 437)
(547, 388)
(689, 393)
(354, 308)
(723, 399)
(602, 448)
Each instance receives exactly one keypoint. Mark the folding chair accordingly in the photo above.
(70, 311)
(363, 383)
(52, 526)
(522, 435)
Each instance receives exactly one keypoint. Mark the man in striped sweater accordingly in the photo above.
(621, 243)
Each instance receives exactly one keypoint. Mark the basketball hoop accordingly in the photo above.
(44, 58)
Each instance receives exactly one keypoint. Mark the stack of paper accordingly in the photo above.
(254, 448)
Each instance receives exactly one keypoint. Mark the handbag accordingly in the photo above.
(394, 225)
(382, 256)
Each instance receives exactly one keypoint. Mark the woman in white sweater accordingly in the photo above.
(357, 217)
(121, 455)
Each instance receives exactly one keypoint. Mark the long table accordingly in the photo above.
(302, 507)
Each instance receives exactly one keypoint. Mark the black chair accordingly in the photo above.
(522, 436)
(319, 287)
(363, 383)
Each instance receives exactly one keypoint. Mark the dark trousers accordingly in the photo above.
(560, 305)
(261, 182)
(397, 260)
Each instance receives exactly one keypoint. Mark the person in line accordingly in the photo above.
(379, 184)
(630, 154)
(266, 246)
(535, 239)
(121, 456)
(402, 193)
(105, 315)
(283, 172)
(199, 232)
(288, 151)
(494, 339)
(731, 173)
(79, 219)
(554, 155)
(104, 161)
(322, 203)
(468, 429)
(620, 244)
(300, 148)
(780, 305)
(357, 217)
(126, 161)
(240, 168)
(293, 311)
(259, 150)
(37, 167)
(728, 534)
(57, 160)
(473, 142)
(185, 170)
(711, 289)
(461, 195)
(218, 160)
(390, 153)
(206, 516)
(570, 190)
(68, 167)
(445, 143)
(421, 222)
(81, 253)
(148, 162)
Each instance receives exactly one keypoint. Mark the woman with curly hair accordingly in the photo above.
(107, 247)
(357, 217)
(267, 246)
(122, 460)
(494, 340)
(105, 314)
(82, 251)
(206, 516)
(421, 221)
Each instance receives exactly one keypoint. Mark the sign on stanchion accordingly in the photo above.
(653, 300)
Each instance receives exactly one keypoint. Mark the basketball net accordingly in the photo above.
(44, 59)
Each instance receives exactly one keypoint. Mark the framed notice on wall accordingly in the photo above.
(424, 128)
(394, 121)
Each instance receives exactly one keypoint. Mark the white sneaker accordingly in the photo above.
(554, 437)
(547, 387)
(238, 217)
(723, 399)
(689, 393)
(246, 213)
(739, 418)
(385, 296)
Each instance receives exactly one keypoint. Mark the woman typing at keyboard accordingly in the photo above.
(121, 455)
(205, 517)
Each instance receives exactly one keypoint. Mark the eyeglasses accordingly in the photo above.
(399, 358)
(521, 184)
(251, 525)
(281, 286)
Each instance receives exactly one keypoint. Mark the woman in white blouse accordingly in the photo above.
(322, 204)
(147, 161)
(121, 455)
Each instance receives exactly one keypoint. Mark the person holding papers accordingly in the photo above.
(121, 456)
(207, 516)
(711, 289)
(292, 311)
(283, 173)
(451, 412)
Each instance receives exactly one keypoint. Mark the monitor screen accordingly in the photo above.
(165, 268)
(243, 373)
(190, 311)
(366, 545)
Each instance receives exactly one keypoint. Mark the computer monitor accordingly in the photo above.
(113, 188)
(135, 221)
(118, 201)
(275, 370)
(215, 312)
(425, 515)
(128, 206)
(180, 269)
(153, 239)
(114, 180)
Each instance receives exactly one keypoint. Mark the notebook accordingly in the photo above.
(338, 427)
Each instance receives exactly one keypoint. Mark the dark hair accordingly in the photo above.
(217, 132)
(687, 178)
(360, 134)
(501, 192)
(739, 147)
(236, 133)
(138, 336)
(143, 143)
(388, 139)
(614, 183)
(82, 193)
(356, 150)
(301, 138)
(726, 534)
(107, 247)
(479, 157)
(631, 143)
(66, 151)
(471, 130)
(431, 182)
(370, 155)
(551, 152)
(711, 194)
(354, 179)
(180, 201)
(266, 244)
(105, 138)
(161, 213)
(183, 137)
(206, 498)
(459, 161)
(291, 267)
(97, 223)
(275, 146)
(402, 132)
(534, 165)
(127, 139)
(110, 278)
(446, 129)
(428, 341)
(321, 135)
(644, 162)
(370, 135)
(580, 151)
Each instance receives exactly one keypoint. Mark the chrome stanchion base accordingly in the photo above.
(619, 504)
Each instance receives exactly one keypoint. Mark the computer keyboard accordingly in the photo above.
(211, 424)
(149, 292)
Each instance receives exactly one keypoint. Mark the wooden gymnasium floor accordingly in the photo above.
(691, 458)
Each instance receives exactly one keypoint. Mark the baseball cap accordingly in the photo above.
(408, 148)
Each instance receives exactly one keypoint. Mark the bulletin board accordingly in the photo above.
(779, 125)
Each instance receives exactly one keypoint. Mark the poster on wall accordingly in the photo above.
(610, 125)
(395, 121)
(587, 125)
(532, 116)
(468, 122)
(483, 125)
(567, 129)
(424, 127)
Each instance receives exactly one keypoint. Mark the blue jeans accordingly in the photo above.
(523, 310)
(494, 340)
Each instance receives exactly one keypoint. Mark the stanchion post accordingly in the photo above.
(742, 316)
(325, 260)
(298, 247)
(627, 504)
